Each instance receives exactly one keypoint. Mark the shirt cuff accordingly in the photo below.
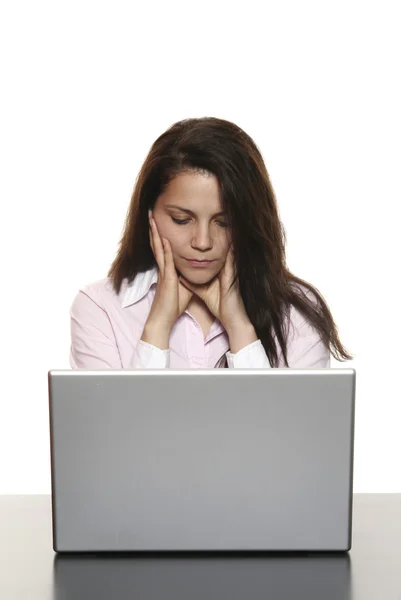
(147, 356)
(252, 356)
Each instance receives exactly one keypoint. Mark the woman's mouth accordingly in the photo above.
(200, 263)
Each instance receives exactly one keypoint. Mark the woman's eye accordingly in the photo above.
(183, 222)
(180, 222)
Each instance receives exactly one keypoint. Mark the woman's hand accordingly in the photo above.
(227, 305)
(171, 298)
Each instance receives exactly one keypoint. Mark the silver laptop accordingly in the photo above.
(204, 459)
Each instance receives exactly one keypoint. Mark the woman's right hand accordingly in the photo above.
(172, 297)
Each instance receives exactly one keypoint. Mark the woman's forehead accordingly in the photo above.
(193, 191)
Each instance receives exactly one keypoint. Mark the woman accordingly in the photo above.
(202, 194)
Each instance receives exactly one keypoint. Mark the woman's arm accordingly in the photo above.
(305, 350)
(94, 345)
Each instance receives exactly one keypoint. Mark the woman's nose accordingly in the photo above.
(202, 239)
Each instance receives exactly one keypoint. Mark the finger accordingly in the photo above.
(151, 239)
(158, 247)
(226, 275)
(151, 242)
(169, 260)
(230, 261)
(233, 273)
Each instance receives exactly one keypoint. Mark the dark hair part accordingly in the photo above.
(267, 287)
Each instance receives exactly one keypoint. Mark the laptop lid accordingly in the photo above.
(244, 459)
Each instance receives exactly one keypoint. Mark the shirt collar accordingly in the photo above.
(140, 286)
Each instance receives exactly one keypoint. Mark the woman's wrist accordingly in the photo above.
(241, 336)
(156, 334)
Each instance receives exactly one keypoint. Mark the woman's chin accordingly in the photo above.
(201, 279)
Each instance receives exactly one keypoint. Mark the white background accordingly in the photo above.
(86, 89)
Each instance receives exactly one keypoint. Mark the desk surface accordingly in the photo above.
(30, 570)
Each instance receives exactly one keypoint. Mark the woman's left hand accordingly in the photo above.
(225, 304)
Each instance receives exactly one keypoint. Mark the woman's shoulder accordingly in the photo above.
(305, 347)
(101, 291)
(296, 317)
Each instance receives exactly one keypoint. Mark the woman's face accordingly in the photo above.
(193, 199)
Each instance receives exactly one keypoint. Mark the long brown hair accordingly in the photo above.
(267, 287)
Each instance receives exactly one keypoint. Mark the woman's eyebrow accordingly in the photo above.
(190, 212)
